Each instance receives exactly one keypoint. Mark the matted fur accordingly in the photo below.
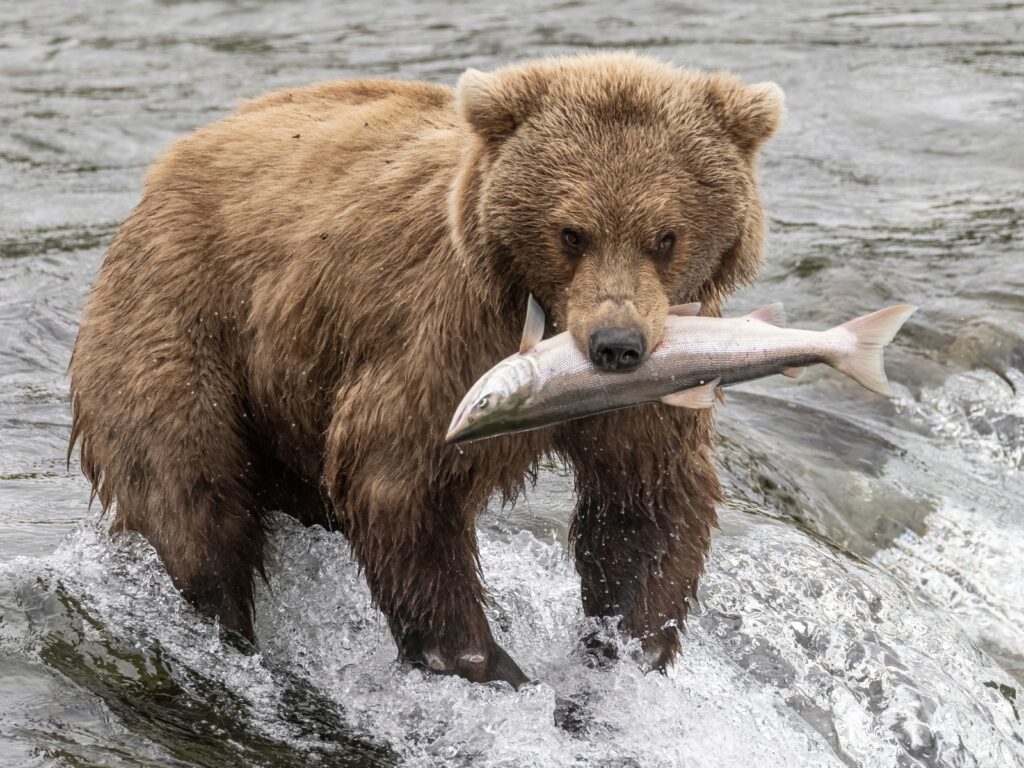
(307, 288)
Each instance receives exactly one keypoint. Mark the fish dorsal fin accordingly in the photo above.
(695, 397)
(685, 310)
(773, 314)
(533, 329)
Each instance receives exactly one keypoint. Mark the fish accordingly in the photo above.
(549, 381)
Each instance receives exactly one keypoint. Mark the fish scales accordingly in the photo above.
(552, 381)
(692, 352)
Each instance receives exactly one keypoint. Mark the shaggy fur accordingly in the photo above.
(291, 314)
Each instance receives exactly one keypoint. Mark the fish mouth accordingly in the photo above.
(461, 428)
(478, 429)
(456, 433)
(462, 433)
(454, 437)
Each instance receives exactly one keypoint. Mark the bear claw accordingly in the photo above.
(434, 661)
(475, 666)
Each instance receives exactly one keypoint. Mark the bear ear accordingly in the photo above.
(494, 104)
(749, 113)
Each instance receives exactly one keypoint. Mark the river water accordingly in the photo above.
(864, 601)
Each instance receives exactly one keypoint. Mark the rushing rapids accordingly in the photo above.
(864, 602)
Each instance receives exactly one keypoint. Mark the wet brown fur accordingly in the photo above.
(308, 287)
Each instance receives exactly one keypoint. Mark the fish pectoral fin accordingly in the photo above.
(773, 314)
(533, 329)
(685, 310)
(695, 397)
(795, 373)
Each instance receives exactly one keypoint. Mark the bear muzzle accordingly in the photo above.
(617, 348)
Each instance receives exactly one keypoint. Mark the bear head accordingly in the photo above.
(611, 186)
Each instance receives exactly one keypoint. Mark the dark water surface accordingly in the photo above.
(864, 604)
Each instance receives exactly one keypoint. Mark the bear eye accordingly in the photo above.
(572, 239)
(666, 244)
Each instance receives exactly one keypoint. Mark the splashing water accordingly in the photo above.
(864, 600)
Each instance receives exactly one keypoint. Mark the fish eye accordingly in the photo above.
(483, 402)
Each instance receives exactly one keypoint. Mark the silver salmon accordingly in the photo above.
(551, 381)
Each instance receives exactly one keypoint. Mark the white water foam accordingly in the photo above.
(798, 656)
(967, 559)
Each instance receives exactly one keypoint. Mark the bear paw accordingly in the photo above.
(478, 666)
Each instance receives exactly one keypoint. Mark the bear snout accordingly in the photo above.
(617, 348)
(616, 332)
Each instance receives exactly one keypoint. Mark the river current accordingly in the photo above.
(864, 600)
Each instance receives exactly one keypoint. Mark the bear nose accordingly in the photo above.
(617, 349)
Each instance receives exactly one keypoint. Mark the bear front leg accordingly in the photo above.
(412, 529)
(646, 494)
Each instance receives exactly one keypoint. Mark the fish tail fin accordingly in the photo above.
(871, 333)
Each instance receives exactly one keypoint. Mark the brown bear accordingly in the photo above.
(308, 287)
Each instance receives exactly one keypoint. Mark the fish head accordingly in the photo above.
(495, 404)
